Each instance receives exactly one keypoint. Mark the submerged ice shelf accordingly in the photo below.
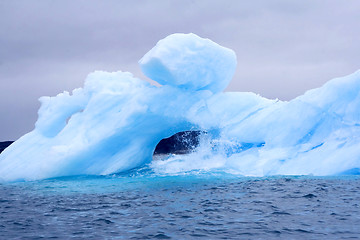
(115, 121)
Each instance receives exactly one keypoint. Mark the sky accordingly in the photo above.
(283, 47)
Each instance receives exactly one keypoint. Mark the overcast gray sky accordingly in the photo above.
(283, 47)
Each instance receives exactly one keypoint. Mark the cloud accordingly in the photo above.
(283, 47)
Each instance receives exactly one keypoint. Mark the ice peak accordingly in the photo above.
(190, 62)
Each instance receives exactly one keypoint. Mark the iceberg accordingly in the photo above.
(115, 121)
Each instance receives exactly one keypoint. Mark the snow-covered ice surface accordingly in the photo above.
(115, 121)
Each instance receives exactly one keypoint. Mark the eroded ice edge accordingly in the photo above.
(115, 121)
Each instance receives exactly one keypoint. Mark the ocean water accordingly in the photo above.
(196, 205)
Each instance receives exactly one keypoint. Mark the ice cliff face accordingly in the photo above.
(115, 121)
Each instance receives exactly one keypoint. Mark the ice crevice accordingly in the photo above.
(115, 122)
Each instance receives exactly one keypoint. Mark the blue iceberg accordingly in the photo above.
(115, 121)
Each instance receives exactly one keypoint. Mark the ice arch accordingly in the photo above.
(120, 123)
(115, 121)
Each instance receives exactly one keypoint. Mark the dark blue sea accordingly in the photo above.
(138, 205)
